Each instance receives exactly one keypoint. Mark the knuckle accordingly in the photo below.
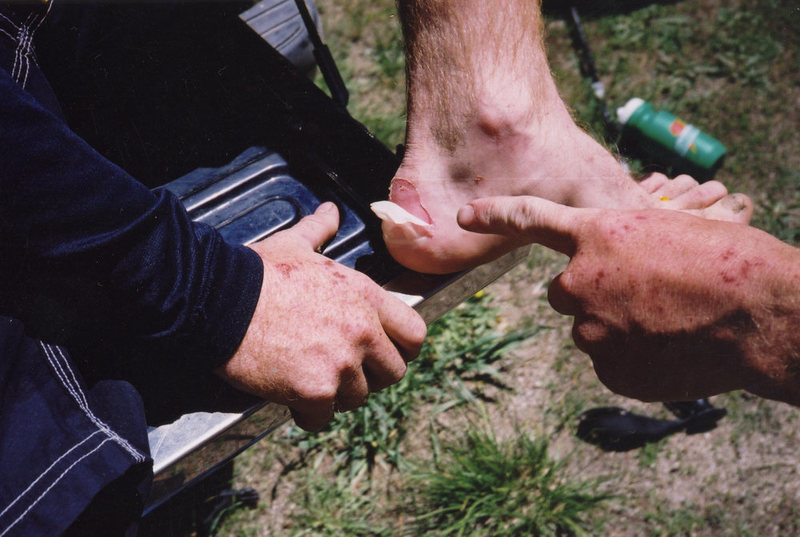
(563, 295)
(345, 364)
(350, 367)
(589, 335)
(362, 280)
(605, 227)
(521, 217)
(609, 229)
(566, 283)
(360, 331)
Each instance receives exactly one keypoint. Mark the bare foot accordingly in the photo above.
(501, 156)
(485, 119)
(709, 200)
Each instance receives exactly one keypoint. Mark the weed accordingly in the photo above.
(336, 508)
(743, 49)
(483, 486)
(390, 56)
(648, 454)
(692, 519)
(749, 413)
(674, 523)
(781, 214)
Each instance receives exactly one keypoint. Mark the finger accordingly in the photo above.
(316, 229)
(312, 419)
(653, 182)
(384, 365)
(526, 218)
(700, 197)
(402, 325)
(353, 389)
(590, 334)
(562, 300)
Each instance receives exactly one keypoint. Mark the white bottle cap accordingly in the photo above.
(624, 113)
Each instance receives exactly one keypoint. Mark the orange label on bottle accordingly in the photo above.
(677, 127)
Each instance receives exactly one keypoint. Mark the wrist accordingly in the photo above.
(772, 352)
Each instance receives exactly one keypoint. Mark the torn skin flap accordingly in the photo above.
(391, 212)
(404, 193)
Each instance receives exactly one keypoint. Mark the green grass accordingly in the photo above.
(689, 519)
(483, 486)
(649, 453)
(750, 414)
(333, 508)
(732, 68)
(676, 522)
(366, 42)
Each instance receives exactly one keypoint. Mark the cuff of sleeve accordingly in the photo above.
(230, 301)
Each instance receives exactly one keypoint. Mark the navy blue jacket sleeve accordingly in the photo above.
(66, 208)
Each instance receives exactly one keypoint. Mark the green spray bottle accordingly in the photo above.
(673, 134)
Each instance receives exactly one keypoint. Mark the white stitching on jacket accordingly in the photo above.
(41, 475)
(53, 484)
(24, 51)
(74, 389)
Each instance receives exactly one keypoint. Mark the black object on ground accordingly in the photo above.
(324, 59)
(616, 429)
(226, 503)
(589, 69)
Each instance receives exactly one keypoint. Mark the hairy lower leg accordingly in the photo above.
(473, 63)
(485, 119)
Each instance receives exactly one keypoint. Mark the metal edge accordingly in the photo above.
(430, 296)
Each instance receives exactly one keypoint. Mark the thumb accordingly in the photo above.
(526, 218)
(316, 229)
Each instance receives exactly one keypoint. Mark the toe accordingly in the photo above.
(676, 187)
(700, 197)
(732, 208)
(653, 182)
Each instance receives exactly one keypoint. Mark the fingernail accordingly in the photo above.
(466, 215)
(327, 207)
